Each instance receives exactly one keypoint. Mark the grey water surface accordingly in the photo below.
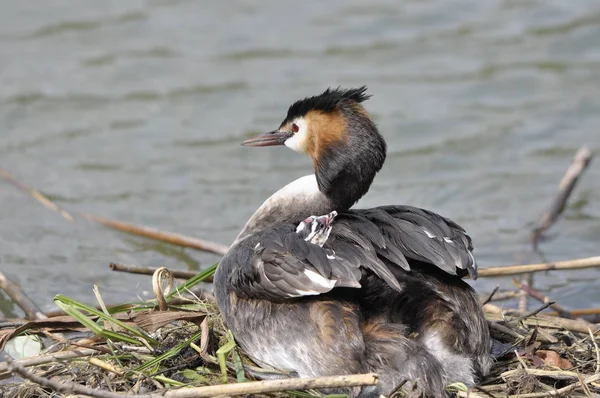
(134, 110)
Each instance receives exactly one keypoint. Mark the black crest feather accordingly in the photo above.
(327, 101)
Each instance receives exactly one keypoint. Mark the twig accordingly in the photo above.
(597, 350)
(580, 263)
(577, 167)
(521, 361)
(16, 293)
(259, 387)
(505, 296)
(532, 313)
(44, 359)
(151, 233)
(484, 392)
(584, 387)
(489, 297)
(255, 387)
(105, 365)
(528, 318)
(557, 375)
(65, 387)
(580, 312)
(132, 269)
(163, 236)
(36, 195)
(560, 391)
(526, 280)
(503, 329)
(579, 164)
(565, 313)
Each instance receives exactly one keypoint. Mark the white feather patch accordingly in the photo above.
(429, 234)
(306, 293)
(298, 141)
(319, 279)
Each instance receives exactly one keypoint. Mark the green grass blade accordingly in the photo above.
(166, 380)
(66, 301)
(239, 368)
(93, 326)
(210, 271)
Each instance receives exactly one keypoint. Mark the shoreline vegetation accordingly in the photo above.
(176, 344)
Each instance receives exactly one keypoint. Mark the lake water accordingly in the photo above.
(134, 110)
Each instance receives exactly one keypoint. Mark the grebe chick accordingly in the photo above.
(316, 229)
(377, 290)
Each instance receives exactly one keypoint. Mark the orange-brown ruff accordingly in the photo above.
(384, 292)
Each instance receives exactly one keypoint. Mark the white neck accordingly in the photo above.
(298, 199)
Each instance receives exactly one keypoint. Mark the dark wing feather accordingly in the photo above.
(406, 232)
(277, 264)
(359, 250)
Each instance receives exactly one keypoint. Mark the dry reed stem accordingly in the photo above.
(580, 263)
(151, 233)
(558, 204)
(163, 236)
(493, 311)
(105, 365)
(554, 374)
(490, 296)
(579, 312)
(597, 350)
(44, 359)
(560, 391)
(531, 292)
(260, 387)
(132, 269)
(17, 294)
(255, 387)
(576, 168)
(158, 281)
(65, 387)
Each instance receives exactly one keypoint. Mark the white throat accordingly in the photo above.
(299, 140)
(298, 199)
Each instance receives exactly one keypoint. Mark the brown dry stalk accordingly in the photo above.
(597, 350)
(133, 269)
(159, 278)
(580, 263)
(496, 313)
(261, 387)
(17, 294)
(567, 184)
(561, 391)
(44, 359)
(532, 292)
(553, 374)
(151, 233)
(163, 236)
(580, 162)
(255, 387)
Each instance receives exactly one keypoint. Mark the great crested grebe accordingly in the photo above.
(345, 290)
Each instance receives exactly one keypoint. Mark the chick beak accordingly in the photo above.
(330, 217)
(271, 138)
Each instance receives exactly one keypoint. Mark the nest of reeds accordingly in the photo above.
(177, 344)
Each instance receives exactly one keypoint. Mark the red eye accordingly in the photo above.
(295, 127)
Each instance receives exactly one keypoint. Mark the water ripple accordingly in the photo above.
(79, 26)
